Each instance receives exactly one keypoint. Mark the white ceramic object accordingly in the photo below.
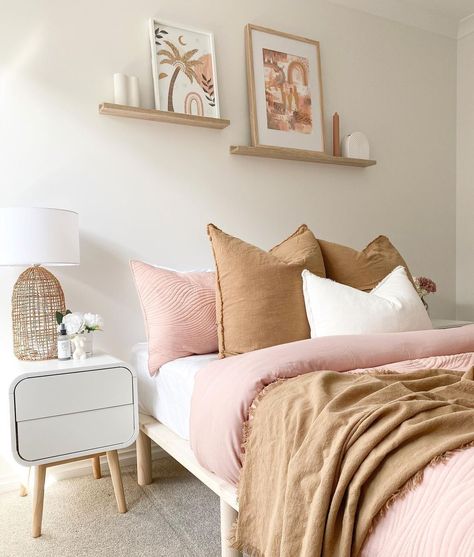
(356, 146)
(133, 91)
(120, 88)
(79, 352)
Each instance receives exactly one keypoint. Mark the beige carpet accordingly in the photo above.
(176, 516)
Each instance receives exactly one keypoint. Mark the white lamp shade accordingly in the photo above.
(36, 235)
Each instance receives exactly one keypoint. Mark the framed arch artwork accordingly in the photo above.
(285, 89)
(184, 69)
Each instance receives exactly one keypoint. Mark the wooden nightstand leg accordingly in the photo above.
(144, 475)
(96, 467)
(25, 483)
(114, 465)
(38, 499)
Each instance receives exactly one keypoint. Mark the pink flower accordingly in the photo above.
(424, 286)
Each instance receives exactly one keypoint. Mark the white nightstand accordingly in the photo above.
(448, 323)
(71, 410)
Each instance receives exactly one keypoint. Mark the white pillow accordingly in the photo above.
(336, 309)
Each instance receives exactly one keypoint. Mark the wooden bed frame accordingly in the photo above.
(180, 450)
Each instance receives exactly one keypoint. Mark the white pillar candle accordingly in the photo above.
(120, 88)
(133, 91)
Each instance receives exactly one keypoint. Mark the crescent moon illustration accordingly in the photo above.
(181, 41)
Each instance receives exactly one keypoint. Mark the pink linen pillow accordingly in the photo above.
(179, 311)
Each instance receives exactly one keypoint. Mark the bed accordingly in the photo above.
(165, 407)
(215, 454)
(167, 395)
(325, 425)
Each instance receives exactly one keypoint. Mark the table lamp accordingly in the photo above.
(33, 237)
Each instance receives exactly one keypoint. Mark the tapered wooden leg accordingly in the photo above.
(25, 482)
(114, 465)
(38, 499)
(144, 459)
(228, 517)
(96, 467)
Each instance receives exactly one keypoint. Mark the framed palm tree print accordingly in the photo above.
(184, 70)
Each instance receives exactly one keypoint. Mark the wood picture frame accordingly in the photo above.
(284, 89)
(190, 55)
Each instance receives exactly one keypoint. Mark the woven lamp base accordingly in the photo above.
(37, 296)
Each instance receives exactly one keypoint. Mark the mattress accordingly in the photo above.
(167, 395)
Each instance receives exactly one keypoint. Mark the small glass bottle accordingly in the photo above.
(64, 344)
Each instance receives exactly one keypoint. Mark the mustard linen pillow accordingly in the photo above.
(259, 295)
(361, 269)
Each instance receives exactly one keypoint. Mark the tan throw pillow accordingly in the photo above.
(259, 298)
(361, 269)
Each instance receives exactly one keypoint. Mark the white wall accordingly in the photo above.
(147, 190)
(465, 180)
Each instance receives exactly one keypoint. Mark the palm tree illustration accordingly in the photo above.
(181, 63)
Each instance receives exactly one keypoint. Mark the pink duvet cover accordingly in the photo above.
(437, 518)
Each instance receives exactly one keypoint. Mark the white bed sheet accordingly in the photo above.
(167, 395)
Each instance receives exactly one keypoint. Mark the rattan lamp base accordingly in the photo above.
(37, 296)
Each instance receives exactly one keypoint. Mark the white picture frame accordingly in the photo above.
(284, 89)
(191, 85)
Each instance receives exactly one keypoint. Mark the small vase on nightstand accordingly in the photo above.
(89, 343)
(425, 303)
(88, 338)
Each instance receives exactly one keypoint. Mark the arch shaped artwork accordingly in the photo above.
(297, 73)
(192, 101)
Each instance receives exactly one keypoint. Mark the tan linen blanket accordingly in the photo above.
(325, 451)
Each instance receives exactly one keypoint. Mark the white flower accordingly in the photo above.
(93, 321)
(74, 323)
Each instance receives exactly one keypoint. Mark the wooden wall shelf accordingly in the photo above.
(162, 116)
(297, 155)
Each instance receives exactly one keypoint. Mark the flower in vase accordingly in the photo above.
(424, 286)
(93, 322)
(74, 323)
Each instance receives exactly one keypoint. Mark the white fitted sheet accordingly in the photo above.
(167, 395)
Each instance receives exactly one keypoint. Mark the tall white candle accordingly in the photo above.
(120, 88)
(133, 91)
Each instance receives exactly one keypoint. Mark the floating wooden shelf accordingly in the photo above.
(162, 116)
(297, 155)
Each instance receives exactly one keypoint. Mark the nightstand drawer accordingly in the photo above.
(61, 436)
(67, 393)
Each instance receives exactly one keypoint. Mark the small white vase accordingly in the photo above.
(89, 343)
(120, 88)
(133, 91)
(356, 146)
